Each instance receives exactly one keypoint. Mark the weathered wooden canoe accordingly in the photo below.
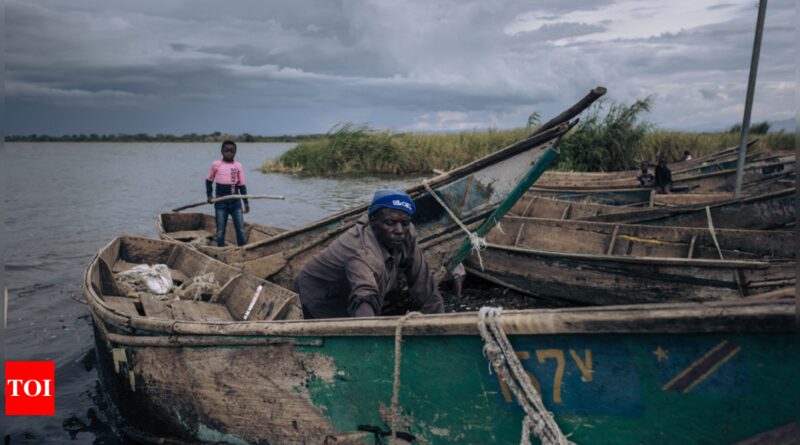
(199, 229)
(605, 264)
(763, 212)
(632, 197)
(655, 374)
(756, 177)
(722, 160)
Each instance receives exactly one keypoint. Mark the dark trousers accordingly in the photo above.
(233, 208)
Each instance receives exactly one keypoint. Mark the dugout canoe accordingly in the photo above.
(763, 212)
(587, 262)
(199, 229)
(478, 193)
(760, 176)
(656, 374)
(629, 197)
(722, 160)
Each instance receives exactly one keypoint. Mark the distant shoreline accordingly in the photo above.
(143, 137)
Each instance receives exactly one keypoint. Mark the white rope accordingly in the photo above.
(476, 241)
(498, 350)
(398, 341)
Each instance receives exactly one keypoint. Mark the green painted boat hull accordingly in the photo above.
(602, 388)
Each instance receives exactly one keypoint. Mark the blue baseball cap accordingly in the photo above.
(392, 199)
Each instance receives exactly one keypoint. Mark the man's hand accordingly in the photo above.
(365, 310)
(247, 208)
(208, 200)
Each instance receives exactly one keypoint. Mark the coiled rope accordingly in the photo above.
(476, 241)
(498, 350)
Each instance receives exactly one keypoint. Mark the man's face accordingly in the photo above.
(391, 227)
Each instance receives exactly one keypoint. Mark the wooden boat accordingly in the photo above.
(199, 229)
(604, 264)
(655, 374)
(478, 193)
(755, 178)
(631, 197)
(722, 160)
(763, 212)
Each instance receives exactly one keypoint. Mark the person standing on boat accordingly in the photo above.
(687, 156)
(645, 178)
(229, 177)
(354, 274)
(663, 179)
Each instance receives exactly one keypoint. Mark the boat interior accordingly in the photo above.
(199, 229)
(201, 289)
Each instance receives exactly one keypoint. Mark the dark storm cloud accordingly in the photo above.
(248, 65)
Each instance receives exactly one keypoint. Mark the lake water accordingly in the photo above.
(64, 201)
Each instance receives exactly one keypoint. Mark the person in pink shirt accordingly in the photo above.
(229, 178)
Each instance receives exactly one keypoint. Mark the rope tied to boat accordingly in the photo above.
(398, 343)
(478, 243)
(498, 351)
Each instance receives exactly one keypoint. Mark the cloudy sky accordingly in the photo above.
(301, 66)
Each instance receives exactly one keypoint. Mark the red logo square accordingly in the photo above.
(30, 388)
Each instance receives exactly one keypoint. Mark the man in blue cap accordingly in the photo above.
(354, 274)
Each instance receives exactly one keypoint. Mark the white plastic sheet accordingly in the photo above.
(157, 277)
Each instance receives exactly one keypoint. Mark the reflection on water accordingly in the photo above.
(65, 201)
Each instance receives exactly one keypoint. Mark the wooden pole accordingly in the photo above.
(573, 111)
(748, 105)
(225, 198)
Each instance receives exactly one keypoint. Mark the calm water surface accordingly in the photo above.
(64, 201)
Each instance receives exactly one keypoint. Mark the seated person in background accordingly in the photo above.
(663, 180)
(354, 274)
(645, 178)
(687, 156)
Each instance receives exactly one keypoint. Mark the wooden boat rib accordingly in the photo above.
(606, 264)
(197, 228)
(608, 374)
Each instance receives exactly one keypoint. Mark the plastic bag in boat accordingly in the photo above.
(157, 277)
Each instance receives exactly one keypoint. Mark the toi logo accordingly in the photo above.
(30, 388)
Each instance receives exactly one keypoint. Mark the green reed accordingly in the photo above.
(616, 139)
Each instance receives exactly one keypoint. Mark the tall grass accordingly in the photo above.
(608, 141)
(673, 143)
(608, 138)
(350, 149)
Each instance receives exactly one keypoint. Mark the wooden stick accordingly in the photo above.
(573, 111)
(613, 241)
(227, 197)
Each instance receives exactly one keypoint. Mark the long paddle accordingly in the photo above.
(224, 198)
